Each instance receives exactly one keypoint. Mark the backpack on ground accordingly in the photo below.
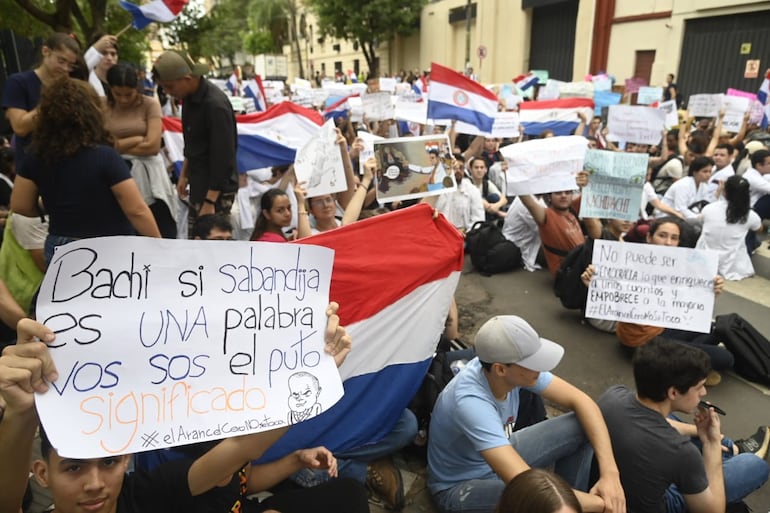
(568, 286)
(490, 251)
(662, 184)
(749, 347)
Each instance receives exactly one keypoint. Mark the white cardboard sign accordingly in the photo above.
(319, 163)
(544, 165)
(168, 342)
(635, 124)
(654, 285)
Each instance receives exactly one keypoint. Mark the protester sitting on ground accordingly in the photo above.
(659, 468)
(651, 202)
(666, 231)
(101, 483)
(759, 185)
(688, 195)
(725, 227)
(462, 207)
(538, 491)
(559, 226)
(324, 208)
(275, 216)
(723, 169)
(491, 197)
(473, 450)
(22, 90)
(212, 227)
(520, 228)
(496, 174)
(134, 120)
(86, 188)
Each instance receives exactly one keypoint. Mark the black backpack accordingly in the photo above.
(749, 347)
(568, 286)
(490, 251)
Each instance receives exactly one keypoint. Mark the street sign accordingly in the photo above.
(481, 52)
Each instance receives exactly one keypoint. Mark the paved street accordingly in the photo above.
(595, 360)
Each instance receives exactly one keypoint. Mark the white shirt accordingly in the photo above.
(93, 57)
(521, 229)
(683, 193)
(713, 183)
(728, 239)
(462, 207)
(758, 184)
(648, 194)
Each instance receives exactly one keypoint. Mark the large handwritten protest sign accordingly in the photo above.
(377, 106)
(704, 105)
(544, 165)
(653, 285)
(671, 118)
(406, 169)
(614, 189)
(319, 163)
(634, 124)
(164, 343)
(735, 108)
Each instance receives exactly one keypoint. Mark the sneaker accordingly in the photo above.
(384, 480)
(713, 379)
(756, 443)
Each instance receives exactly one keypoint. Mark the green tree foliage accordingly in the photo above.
(281, 18)
(367, 22)
(83, 18)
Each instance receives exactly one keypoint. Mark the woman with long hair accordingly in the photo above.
(274, 216)
(86, 188)
(725, 225)
(134, 120)
(538, 491)
(21, 97)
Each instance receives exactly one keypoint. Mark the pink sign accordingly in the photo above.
(742, 94)
(633, 84)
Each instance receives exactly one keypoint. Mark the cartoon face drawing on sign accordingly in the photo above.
(304, 390)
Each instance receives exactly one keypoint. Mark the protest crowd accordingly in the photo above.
(531, 175)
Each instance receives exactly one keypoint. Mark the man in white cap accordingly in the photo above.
(473, 450)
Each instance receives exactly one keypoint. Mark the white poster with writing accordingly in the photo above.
(614, 189)
(704, 105)
(735, 108)
(168, 342)
(319, 163)
(671, 118)
(377, 106)
(635, 124)
(654, 285)
(505, 125)
(544, 165)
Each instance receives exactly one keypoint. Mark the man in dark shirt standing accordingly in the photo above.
(210, 135)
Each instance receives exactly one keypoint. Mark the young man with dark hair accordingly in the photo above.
(660, 468)
(99, 485)
(212, 227)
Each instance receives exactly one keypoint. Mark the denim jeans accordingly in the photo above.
(353, 463)
(557, 443)
(743, 474)
(51, 243)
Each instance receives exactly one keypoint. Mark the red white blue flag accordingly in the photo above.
(162, 11)
(265, 139)
(560, 116)
(454, 96)
(254, 89)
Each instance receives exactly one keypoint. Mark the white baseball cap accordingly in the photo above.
(510, 339)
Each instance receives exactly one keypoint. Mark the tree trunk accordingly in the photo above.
(295, 44)
(371, 57)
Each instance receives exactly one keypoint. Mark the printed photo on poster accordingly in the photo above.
(413, 167)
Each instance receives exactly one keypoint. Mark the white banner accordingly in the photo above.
(544, 165)
(654, 285)
(319, 163)
(168, 342)
(634, 124)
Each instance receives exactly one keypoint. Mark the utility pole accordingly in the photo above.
(467, 35)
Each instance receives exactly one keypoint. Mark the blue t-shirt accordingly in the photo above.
(22, 91)
(466, 420)
(77, 192)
